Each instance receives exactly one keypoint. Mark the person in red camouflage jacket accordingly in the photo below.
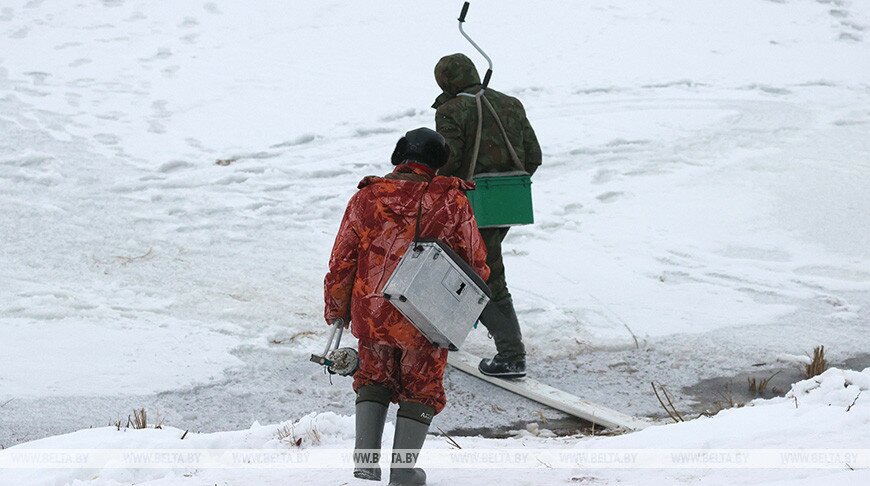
(397, 363)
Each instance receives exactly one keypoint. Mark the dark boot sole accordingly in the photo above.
(367, 474)
(503, 375)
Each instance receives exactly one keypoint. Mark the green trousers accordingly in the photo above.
(492, 238)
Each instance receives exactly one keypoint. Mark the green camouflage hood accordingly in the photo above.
(454, 74)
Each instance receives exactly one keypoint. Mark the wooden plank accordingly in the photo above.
(549, 396)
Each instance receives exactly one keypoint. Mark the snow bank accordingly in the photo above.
(829, 413)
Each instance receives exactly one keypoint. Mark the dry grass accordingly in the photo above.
(725, 401)
(292, 338)
(669, 408)
(289, 434)
(818, 363)
(450, 440)
(139, 420)
(286, 433)
(849, 408)
(727, 396)
(758, 388)
(125, 260)
(314, 435)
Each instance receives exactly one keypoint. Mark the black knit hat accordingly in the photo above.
(422, 145)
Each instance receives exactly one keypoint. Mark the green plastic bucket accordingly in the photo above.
(502, 199)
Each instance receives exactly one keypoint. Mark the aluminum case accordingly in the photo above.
(438, 292)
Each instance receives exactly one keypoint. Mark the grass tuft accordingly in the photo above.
(818, 363)
(757, 387)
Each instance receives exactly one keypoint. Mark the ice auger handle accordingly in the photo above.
(462, 31)
(322, 359)
(464, 11)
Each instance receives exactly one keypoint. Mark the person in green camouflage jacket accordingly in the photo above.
(456, 118)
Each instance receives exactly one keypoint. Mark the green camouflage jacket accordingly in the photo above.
(456, 120)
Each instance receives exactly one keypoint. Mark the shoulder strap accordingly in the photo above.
(507, 141)
(473, 164)
(419, 216)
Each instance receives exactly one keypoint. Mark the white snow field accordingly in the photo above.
(172, 176)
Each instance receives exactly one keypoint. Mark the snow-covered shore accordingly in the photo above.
(816, 434)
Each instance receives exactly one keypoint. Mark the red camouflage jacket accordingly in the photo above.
(377, 228)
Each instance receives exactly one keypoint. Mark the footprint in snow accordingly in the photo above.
(231, 179)
(758, 254)
(610, 196)
(159, 108)
(188, 22)
(604, 176)
(838, 3)
(836, 273)
(107, 138)
(849, 37)
(621, 142)
(7, 14)
(170, 71)
(680, 83)
(189, 38)
(325, 173)
(367, 132)
(398, 116)
(155, 126)
(80, 62)
(603, 90)
(137, 16)
(522, 92)
(37, 77)
(66, 45)
(162, 53)
(834, 301)
(571, 208)
(854, 26)
(72, 99)
(767, 89)
(174, 165)
(20, 33)
(211, 8)
(300, 140)
(676, 277)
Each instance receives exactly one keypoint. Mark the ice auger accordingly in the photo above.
(338, 361)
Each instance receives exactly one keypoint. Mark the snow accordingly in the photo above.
(828, 402)
(702, 207)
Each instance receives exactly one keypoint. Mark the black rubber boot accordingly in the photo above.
(370, 418)
(412, 425)
(500, 319)
(503, 367)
